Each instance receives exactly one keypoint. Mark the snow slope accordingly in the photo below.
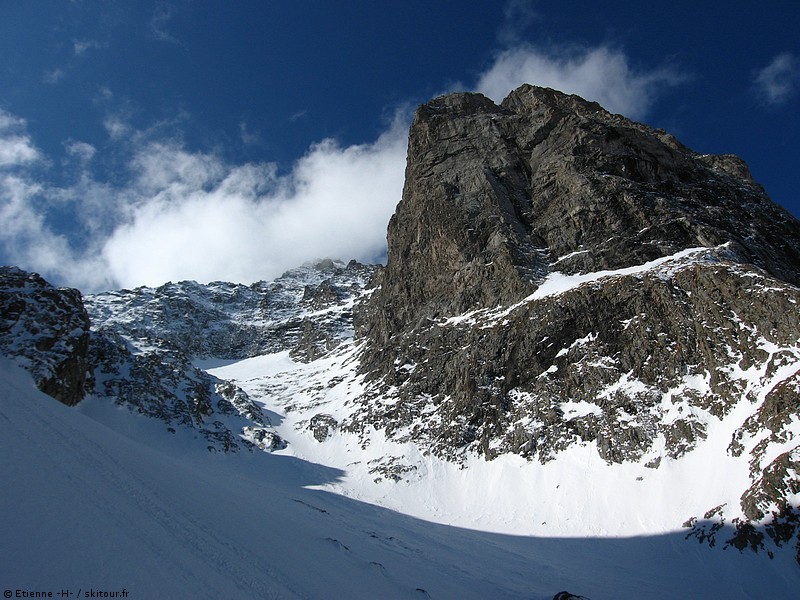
(577, 495)
(89, 507)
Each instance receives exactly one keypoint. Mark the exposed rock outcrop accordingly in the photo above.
(496, 197)
(560, 275)
(307, 311)
(46, 330)
(163, 384)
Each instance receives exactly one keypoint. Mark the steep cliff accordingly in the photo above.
(558, 275)
(496, 197)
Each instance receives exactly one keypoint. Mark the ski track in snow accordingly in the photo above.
(103, 478)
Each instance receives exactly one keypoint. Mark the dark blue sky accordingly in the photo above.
(121, 118)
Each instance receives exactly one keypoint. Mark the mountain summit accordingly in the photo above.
(559, 276)
(497, 197)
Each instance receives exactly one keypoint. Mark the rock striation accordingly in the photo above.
(558, 275)
(497, 196)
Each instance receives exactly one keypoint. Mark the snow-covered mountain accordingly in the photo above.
(581, 359)
(149, 345)
(109, 504)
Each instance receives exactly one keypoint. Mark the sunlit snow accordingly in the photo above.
(87, 506)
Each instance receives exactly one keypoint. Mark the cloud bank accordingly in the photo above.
(201, 219)
(180, 214)
(16, 147)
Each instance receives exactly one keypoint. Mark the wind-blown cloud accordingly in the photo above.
(190, 215)
(518, 15)
(201, 219)
(29, 241)
(80, 150)
(164, 11)
(53, 76)
(600, 74)
(80, 47)
(778, 81)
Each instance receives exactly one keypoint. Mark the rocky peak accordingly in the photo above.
(558, 275)
(496, 197)
(621, 192)
(230, 320)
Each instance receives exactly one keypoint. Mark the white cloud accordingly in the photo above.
(247, 136)
(162, 15)
(778, 81)
(199, 218)
(83, 151)
(16, 147)
(29, 242)
(16, 150)
(189, 215)
(600, 74)
(79, 47)
(518, 15)
(165, 169)
(53, 76)
(116, 127)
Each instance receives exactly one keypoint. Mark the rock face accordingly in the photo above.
(559, 275)
(163, 384)
(46, 329)
(498, 196)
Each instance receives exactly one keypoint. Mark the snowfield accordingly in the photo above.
(577, 495)
(100, 498)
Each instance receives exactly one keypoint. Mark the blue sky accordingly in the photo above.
(154, 140)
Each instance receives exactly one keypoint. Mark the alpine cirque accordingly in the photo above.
(579, 369)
